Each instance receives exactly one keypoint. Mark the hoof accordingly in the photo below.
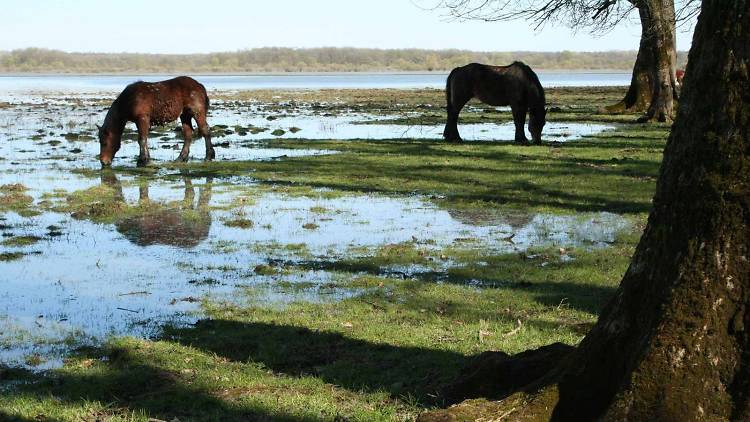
(143, 162)
(210, 155)
(181, 159)
(522, 141)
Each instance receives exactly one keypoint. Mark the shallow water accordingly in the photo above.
(134, 275)
(173, 243)
(34, 126)
(114, 83)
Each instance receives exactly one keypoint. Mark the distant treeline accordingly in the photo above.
(303, 60)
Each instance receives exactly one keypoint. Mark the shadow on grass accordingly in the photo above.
(354, 364)
(585, 297)
(492, 172)
(129, 384)
(463, 173)
(126, 388)
(9, 417)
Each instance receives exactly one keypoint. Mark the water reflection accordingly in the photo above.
(490, 217)
(184, 224)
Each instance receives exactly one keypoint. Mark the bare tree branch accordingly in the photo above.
(598, 16)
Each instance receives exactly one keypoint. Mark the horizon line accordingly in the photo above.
(329, 48)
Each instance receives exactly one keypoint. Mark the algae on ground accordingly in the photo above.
(20, 241)
(13, 197)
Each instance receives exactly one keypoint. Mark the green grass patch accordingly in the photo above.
(11, 256)
(21, 241)
(242, 223)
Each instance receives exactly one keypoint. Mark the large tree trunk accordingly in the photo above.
(674, 343)
(653, 85)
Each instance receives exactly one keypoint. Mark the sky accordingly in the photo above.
(191, 26)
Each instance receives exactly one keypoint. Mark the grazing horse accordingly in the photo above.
(515, 85)
(156, 103)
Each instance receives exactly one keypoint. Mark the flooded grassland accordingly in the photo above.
(337, 260)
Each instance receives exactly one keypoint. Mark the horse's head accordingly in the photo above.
(109, 144)
(537, 120)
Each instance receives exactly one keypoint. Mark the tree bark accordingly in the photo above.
(674, 344)
(653, 84)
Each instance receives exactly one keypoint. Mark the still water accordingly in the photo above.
(114, 83)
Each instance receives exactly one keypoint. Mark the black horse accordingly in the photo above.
(515, 85)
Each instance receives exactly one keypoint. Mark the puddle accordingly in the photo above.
(165, 249)
(138, 253)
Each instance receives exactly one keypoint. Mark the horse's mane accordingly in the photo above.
(122, 100)
(126, 93)
(532, 77)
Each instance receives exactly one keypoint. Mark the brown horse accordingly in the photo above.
(515, 85)
(157, 103)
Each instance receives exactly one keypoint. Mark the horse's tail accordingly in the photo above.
(208, 103)
(449, 89)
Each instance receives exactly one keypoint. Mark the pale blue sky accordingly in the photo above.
(190, 26)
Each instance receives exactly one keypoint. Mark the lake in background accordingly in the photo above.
(115, 83)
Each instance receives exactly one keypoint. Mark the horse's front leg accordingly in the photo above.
(187, 134)
(519, 119)
(144, 125)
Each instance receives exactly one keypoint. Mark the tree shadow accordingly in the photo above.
(427, 375)
(584, 297)
(128, 386)
(354, 364)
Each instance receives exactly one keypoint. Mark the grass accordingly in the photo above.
(613, 172)
(11, 256)
(379, 356)
(239, 222)
(385, 353)
(13, 197)
(20, 241)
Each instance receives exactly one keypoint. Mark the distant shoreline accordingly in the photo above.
(313, 61)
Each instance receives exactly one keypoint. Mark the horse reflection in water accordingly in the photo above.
(516, 221)
(184, 223)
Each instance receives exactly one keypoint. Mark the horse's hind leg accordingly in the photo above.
(205, 131)
(144, 125)
(450, 133)
(454, 106)
(519, 119)
(189, 198)
(457, 95)
(187, 134)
